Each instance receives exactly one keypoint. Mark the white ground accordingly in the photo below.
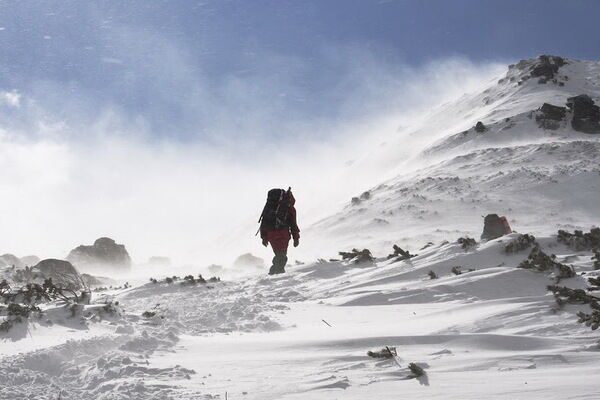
(492, 333)
(489, 333)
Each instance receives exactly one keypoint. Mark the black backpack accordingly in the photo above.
(276, 212)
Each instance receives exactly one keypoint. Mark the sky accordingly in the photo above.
(162, 123)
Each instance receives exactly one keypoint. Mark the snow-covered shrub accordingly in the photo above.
(522, 242)
(596, 259)
(564, 295)
(148, 314)
(580, 241)
(432, 275)
(358, 256)
(466, 242)
(400, 254)
(542, 262)
(386, 352)
(592, 319)
(416, 370)
(456, 270)
(190, 280)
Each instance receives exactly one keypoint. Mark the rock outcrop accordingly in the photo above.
(549, 116)
(586, 115)
(30, 260)
(62, 272)
(105, 252)
(480, 127)
(547, 66)
(11, 260)
(249, 261)
(159, 261)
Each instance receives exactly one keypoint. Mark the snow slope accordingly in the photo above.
(440, 176)
(492, 332)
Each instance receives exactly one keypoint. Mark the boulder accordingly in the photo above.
(105, 252)
(249, 261)
(62, 272)
(494, 227)
(586, 115)
(11, 260)
(159, 261)
(215, 269)
(549, 116)
(546, 67)
(30, 260)
(480, 127)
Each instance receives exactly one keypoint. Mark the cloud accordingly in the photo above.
(173, 160)
(11, 99)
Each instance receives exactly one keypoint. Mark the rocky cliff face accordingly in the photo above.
(524, 146)
(104, 253)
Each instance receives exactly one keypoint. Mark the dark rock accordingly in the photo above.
(549, 116)
(30, 260)
(357, 256)
(249, 261)
(586, 115)
(105, 252)
(494, 226)
(555, 113)
(62, 272)
(480, 127)
(11, 261)
(547, 66)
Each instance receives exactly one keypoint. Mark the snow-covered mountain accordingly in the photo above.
(488, 320)
(523, 162)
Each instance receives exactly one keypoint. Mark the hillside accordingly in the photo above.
(532, 167)
(515, 317)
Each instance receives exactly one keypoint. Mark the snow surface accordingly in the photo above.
(493, 332)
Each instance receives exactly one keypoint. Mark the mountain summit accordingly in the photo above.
(527, 146)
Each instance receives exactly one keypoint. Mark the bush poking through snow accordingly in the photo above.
(580, 241)
(148, 314)
(466, 242)
(592, 319)
(190, 280)
(386, 352)
(595, 282)
(522, 242)
(152, 280)
(432, 275)
(358, 256)
(596, 259)
(416, 370)
(400, 254)
(542, 262)
(564, 295)
(456, 270)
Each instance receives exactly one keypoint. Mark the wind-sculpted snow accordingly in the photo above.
(493, 322)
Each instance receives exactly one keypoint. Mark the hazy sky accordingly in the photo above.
(163, 123)
(177, 64)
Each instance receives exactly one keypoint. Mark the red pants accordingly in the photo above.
(279, 240)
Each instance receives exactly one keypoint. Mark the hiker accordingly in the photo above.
(278, 225)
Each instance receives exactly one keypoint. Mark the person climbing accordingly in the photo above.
(278, 224)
